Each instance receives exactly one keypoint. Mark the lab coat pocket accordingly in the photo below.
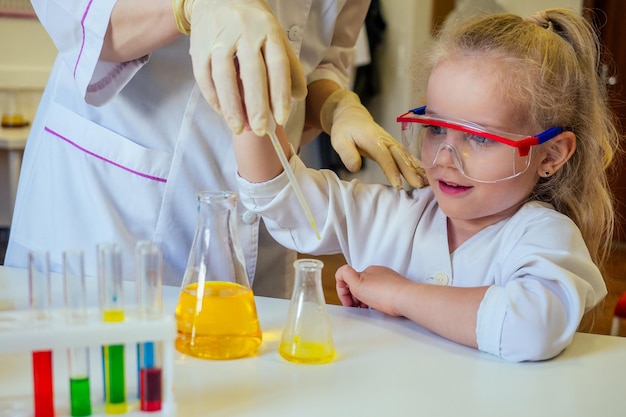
(97, 185)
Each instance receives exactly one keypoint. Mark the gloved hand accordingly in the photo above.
(353, 132)
(241, 41)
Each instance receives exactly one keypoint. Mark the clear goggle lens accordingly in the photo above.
(480, 154)
(477, 158)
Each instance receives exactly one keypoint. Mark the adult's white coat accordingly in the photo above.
(118, 151)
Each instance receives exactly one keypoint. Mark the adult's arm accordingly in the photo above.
(138, 27)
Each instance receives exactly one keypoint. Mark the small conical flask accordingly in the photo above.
(307, 337)
(216, 313)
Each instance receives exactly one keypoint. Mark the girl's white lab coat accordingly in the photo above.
(541, 278)
(118, 151)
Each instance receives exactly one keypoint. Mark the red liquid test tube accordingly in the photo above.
(148, 260)
(150, 389)
(40, 301)
(43, 384)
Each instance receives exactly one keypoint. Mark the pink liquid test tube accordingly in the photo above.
(40, 302)
(148, 260)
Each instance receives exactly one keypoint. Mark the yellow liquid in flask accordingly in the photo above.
(298, 351)
(217, 321)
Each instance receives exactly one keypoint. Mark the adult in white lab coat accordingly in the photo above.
(124, 137)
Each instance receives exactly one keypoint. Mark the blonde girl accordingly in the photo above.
(500, 251)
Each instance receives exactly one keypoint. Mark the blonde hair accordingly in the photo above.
(551, 74)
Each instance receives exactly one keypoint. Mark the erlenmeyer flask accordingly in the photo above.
(216, 313)
(307, 336)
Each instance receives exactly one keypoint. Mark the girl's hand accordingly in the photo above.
(375, 287)
(450, 312)
(343, 289)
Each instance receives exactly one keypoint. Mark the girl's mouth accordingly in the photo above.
(452, 188)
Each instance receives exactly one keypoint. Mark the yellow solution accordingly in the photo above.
(114, 378)
(113, 316)
(217, 321)
(299, 351)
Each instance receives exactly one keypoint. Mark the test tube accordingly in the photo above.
(138, 246)
(40, 301)
(148, 261)
(112, 305)
(78, 358)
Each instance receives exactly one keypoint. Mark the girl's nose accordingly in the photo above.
(447, 156)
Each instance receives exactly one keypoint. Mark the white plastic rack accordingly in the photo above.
(22, 333)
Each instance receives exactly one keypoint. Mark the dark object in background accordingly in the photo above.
(366, 83)
(367, 78)
(4, 241)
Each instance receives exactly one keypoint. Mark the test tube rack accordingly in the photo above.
(21, 332)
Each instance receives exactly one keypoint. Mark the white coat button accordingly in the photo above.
(249, 217)
(293, 33)
(441, 278)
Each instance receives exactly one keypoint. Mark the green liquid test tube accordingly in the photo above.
(111, 298)
(80, 401)
(115, 379)
(78, 357)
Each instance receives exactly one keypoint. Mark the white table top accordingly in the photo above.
(384, 367)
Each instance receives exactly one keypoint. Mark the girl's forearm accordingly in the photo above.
(256, 158)
(450, 312)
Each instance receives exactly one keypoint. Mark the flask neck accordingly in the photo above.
(216, 254)
(308, 281)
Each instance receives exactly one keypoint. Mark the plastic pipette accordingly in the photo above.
(292, 178)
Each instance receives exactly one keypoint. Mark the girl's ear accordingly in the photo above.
(559, 151)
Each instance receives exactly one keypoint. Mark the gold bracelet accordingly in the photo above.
(182, 23)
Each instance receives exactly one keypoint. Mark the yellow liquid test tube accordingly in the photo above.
(112, 306)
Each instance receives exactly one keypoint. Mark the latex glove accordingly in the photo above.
(353, 132)
(241, 41)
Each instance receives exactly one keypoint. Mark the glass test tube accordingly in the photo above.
(138, 246)
(148, 260)
(78, 358)
(112, 305)
(40, 301)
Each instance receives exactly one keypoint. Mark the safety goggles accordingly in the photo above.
(480, 154)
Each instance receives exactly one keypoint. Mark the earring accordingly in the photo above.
(546, 173)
